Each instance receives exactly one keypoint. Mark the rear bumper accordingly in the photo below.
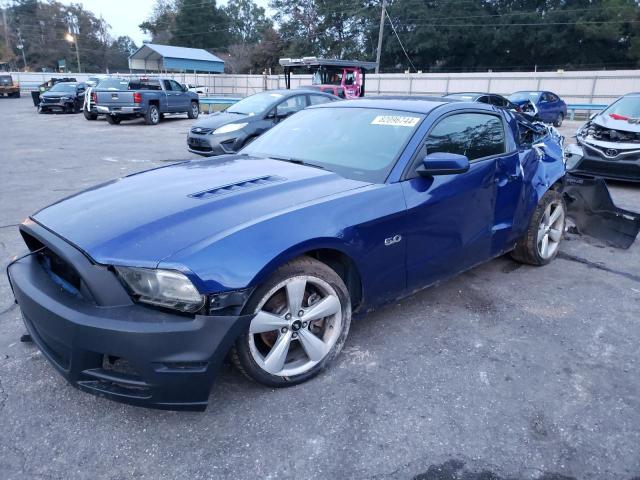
(118, 110)
(125, 352)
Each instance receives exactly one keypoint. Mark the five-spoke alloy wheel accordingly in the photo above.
(302, 317)
(541, 242)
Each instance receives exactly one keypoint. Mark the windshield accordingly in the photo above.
(63, 87)
(626, 107)
(357, 143)
(255, 104)
(113, 84)
(522, 96)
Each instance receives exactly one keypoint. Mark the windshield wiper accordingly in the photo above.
(233, 111)
(297, 162)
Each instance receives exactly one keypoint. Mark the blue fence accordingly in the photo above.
(572, 108)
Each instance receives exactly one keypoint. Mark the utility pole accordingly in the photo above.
(73, 36)
(6, 29)
(380, 33)
(21, 47)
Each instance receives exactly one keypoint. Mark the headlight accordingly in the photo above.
(164, 288)
(231, 127)
(66, 98)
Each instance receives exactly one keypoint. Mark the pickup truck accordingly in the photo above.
(150, 98)
(8, 88)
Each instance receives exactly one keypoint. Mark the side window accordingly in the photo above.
(483, 99)
(544, 98)
(167, 85)
(498, 101)
(319, 99)
(292, 105)
(476, 135)
(175, 86)
(551, 97)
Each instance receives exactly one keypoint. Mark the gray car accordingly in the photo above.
(229, 131)
(609, 143)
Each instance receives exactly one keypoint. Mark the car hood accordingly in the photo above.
(144, 218)
(219, 119)
(605, 121)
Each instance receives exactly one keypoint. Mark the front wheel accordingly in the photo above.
(302, 319)
(194, 110)
(541, 242)
(152, 117)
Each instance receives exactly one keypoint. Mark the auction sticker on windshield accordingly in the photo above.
(395, 121)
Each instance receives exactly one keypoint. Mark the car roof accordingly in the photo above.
(477, 94)
(400, 103)
(68, 83)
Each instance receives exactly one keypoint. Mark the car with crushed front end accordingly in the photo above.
(137, 289)
(240, 124)
(67, 97)
(547, 106)
(609, 143)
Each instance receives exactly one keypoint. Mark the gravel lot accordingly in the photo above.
(507, 371)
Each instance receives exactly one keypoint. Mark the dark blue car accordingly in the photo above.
(550, 108)
(137, 289)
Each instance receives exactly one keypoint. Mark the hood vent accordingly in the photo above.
(238, 186)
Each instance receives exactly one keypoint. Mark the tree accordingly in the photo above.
(247, 21)
(162, 21)
(200, 24)
(119, 52)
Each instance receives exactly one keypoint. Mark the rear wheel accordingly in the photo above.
(113, 120)
(542, 240)
(194, 110)
(302, 319)
(559, 119)
(89, 115)
(152, 117)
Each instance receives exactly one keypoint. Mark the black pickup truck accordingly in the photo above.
(149, 98)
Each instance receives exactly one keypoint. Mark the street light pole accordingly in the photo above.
(71, 39)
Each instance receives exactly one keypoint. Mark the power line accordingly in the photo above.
(399, 41)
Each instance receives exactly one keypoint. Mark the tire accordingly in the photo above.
(322, 291)
(89, 115)
(558, 122)
(113, 120)
(548, 220)
(194, 110)
(152, 117)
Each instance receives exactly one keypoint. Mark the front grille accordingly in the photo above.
(51, 100)
(201, 130)
(615, 169)
(200, 148)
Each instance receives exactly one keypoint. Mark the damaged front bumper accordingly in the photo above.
(590, 206)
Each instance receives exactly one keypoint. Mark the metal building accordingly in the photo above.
(151, 57)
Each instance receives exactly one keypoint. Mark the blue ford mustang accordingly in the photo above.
(137, 289)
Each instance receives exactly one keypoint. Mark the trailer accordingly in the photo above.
(343, 78)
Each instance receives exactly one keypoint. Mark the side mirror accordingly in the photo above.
(184, 87)
(442, 163)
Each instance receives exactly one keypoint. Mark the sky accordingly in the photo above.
(124, 16)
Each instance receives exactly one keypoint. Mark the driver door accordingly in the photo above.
(450, 217)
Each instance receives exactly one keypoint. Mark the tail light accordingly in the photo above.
(137, 97)
(94, 97)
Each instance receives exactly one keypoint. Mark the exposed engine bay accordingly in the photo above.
(598, 132)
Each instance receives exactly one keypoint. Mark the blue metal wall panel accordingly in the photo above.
(180, 64)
